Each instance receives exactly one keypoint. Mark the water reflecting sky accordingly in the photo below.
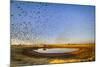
(56, 50)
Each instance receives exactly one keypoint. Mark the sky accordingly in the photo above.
(50, 23)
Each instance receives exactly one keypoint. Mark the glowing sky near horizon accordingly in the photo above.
(35, 22)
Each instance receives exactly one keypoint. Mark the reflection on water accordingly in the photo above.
(55, 50)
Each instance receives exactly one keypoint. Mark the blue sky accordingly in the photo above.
(35, 22)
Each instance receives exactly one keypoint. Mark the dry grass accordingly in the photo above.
(86, 53)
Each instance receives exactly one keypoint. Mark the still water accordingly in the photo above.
(56, 50)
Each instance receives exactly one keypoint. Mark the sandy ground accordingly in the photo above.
(85, 54)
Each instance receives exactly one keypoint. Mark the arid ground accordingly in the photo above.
(21, 57)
